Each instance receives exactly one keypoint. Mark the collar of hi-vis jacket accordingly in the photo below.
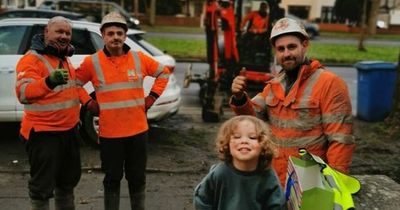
(125, 48)
(278, 83)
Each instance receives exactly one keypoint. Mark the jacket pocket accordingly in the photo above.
(308, 114)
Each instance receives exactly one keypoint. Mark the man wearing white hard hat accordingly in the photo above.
(305, 105)
(117, 74)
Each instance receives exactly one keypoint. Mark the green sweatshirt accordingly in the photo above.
(226, 188)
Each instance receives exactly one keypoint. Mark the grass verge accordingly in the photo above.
(326, 53)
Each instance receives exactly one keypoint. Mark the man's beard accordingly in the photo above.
(294, 63)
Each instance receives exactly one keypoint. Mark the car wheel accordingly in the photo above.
(90, 127)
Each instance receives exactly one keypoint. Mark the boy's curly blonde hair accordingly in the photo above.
(263, 134)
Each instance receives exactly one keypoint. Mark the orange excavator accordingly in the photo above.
(231, 49)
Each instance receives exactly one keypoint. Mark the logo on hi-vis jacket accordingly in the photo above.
(132, 75)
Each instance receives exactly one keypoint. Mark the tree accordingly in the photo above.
(363, 27)
(373, 16)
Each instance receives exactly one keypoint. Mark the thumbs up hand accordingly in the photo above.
(239, 84)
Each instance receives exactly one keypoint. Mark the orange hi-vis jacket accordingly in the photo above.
(258, 24)
(46, 109)
(315, 114)
(118, 82)
(210, 11)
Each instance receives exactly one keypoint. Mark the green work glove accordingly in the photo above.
(59, 77)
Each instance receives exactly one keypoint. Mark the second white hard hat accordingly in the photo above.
(285, 26)
(113, 17)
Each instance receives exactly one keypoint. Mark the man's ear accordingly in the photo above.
(45, 31)
(306, 43)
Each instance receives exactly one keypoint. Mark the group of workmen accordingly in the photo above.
(52, 92)
(304, 105)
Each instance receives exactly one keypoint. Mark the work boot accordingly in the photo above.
(64, 199)
(40, 204)
(111, 198)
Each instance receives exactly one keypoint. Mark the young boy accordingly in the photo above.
(244, 180)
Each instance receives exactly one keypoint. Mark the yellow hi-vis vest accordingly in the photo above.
(343, 185)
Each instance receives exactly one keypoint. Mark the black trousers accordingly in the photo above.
(127, 154)
(54, 159)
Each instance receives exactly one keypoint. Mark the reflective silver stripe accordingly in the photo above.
(269, 97)
(298, 124)
(337, 118)
(70, 84)
(259, 103)
(337, 207)
(305, 114)
(333, 184)
(22, 89)
(97, 68)
(78, 82)
(138, 65)
(163, 76)
(298, 141)
(22, 96)
(119, 86)
(24, 80)
(281, 80)
(259, 107)
(48, 65)
(122, 104)
(52, 107)
(159, 70)
(341, 138)
(331, 181)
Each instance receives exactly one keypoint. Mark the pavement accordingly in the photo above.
(89, 193)
(166, 190)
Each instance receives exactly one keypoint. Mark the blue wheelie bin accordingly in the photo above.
(375, 89)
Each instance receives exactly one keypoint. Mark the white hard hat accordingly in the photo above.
(287, 25)
(113, 17)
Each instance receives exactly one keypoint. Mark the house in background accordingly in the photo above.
(322, 10)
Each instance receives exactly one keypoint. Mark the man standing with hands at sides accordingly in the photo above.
(117, 74)
(305, 105)
(47, 88)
